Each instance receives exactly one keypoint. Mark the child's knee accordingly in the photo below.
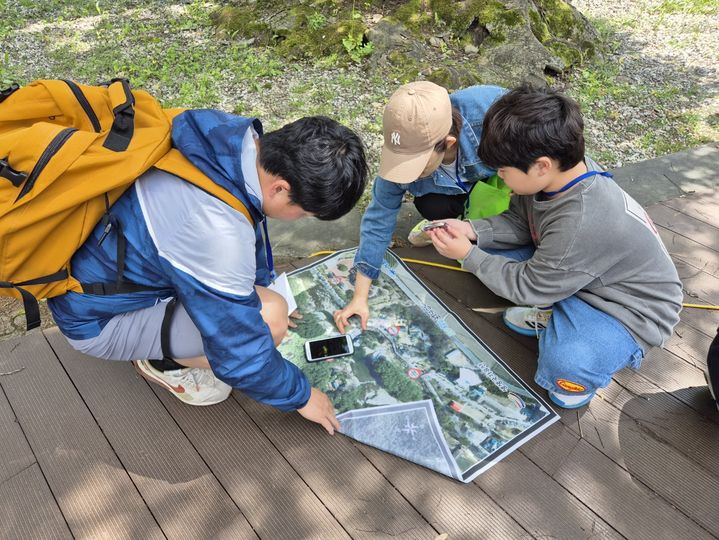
(274, 313)
(573, 368)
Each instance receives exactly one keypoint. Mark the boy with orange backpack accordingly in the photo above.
(191, 306)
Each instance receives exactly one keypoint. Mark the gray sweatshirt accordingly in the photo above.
(594, 241)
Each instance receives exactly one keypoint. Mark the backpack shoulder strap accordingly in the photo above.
(175, 163)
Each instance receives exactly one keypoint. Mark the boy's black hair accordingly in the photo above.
(527, 123)
(323, 162)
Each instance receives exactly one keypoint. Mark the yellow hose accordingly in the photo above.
(457, 269)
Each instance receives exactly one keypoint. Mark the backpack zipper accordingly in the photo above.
(49, 152)
(85, 104)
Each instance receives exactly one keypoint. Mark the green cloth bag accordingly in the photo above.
(488, 197)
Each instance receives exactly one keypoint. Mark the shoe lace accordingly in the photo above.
(540, 316)
(197, 376)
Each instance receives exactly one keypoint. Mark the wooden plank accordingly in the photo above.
(612, 492)
(14, 449)
(272, 496)
(688, 251)
(162, 463)
(672, 374)
(689, 344)
(28, 509)
(667, 418)
(684, 225)
(460, 510)
(517, 483)
(357, 495)
(663, 468)
(703, 207)
(94, 493)
(704, 320)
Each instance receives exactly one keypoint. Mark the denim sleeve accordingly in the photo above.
(378, 224)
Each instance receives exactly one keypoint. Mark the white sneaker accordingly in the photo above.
(194, 386)
(417, 237)
(528, 321)
(571, 401)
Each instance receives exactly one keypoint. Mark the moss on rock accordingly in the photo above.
(559, 17)
(461, 16)
(243, 21)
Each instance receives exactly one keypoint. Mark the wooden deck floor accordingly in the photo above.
(90, 450)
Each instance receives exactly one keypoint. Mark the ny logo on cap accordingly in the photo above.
(394, 138)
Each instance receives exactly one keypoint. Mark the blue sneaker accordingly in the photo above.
(571, 401)
(527, 320)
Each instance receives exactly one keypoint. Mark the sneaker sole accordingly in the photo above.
(150, 378)
(523, 331)
(575, 406)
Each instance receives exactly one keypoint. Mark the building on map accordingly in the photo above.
(467, 378)
(457, 358)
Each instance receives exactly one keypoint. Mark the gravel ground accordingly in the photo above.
(665, 73)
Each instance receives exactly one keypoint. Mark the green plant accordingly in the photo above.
(316, 21)
(356, 47)
(354, 41)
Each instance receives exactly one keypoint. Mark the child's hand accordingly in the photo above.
(319, 409)
(461, 227)
(294, 315)
(450, 243)
(358, 306)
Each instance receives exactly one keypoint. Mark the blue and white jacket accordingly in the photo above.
(194, 246)
(380, 218)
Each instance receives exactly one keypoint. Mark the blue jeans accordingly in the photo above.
(582, 347)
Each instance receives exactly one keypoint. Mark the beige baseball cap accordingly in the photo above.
(417, 116)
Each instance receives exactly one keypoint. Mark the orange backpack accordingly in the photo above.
(67, 153)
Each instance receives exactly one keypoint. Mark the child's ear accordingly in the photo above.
(278, 186)
(544, 165)
(450, 141)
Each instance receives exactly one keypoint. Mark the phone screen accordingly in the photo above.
(323, 348)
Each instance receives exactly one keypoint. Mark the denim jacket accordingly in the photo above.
(380, 218)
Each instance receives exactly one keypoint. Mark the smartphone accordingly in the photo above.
(331, 347)
(435, 225)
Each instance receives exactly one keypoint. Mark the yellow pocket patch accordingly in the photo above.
(570, 386)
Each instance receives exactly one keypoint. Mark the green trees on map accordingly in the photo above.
(396, 382)
(310, 325)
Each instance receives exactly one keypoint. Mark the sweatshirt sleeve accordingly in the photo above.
(549, 276)
(507, 230)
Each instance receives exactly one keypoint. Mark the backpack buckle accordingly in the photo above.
(7, 92)
(6, 171)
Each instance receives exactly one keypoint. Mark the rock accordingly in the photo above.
(436, 42)
(471, 49)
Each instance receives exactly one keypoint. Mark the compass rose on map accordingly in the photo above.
(410, 428)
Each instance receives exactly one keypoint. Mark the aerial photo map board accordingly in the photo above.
(420, 384)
